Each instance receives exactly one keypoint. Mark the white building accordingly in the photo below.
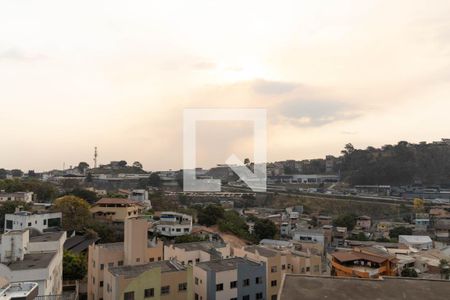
(309, 235)
(15, 290)
(34, 259)
(39, 221)
(140, 196)
(174, 224)
(17, 196)
(418, 242)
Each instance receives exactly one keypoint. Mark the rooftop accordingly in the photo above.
(225, 264)
(32, 261)
(340, 288)
(263, 251)
(117, 201)
(134, 271)
(47, 237)
(194, 246)
(415, 239)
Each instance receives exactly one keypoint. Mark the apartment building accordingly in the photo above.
(17, 196)
(115, 210)
(195, 252)
(34, 259)
(136, 250)
(155, 280)
(363, 262)
(228, 279)
(38, 221)
(173, 224)
(280, 261)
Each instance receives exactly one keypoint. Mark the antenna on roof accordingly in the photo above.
(95, 157)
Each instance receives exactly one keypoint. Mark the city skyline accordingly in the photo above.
(119, 78)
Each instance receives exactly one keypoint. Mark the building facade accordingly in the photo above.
(39, 221)
(192, 253)
(173, 224)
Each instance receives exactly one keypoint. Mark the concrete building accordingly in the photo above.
(16, 290)
(155, 280)
(192, 253)
(17, 196)
(416, 241)
(115, 210)
(388, 288)
(281, 261)
(313, 235)
(363, 262)
(364, 222)
(174, 224)
(140, 196)
(136, 250)
(39, 221)
(233, 278)
(34, 259)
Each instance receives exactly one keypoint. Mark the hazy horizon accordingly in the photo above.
(92, 73)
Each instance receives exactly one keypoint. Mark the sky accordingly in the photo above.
(118, 75)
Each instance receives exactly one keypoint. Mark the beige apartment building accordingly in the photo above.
(281, 261)
(115, 210)
(136, 250)
(195, 252)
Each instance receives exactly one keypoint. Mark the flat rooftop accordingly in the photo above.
(339, 288)
(263, 251)
(32, 261)
(47, 237)
(225, 264)
(194, 246)
(134, 271)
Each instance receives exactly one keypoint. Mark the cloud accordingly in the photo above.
(316, 112)
(266, 87)
(204, 65)
(18, 55)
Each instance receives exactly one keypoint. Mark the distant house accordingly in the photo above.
(115, 210)
(39, 221)
(17, 196)
(418, 242)
(364, 222)
(174, 224)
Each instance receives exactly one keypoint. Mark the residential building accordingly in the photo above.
(34, 259)
(39, 221)
(324, 220)
(140, 196)
(279, 260)
(195, 252)
(233, 278)
(17, 196)
(136, 250)
(16, 290)
(416, 241)
(364, 222)
(313, 235)
(174, 224)
(325, 287)
(165, 280)
(115, 210)
(364, 262)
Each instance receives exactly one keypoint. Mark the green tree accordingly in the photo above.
(75, 212)
(265, 229)
(233, 223)
(3, 173)
(16, 173)
(154, 180)
(90, 196)
(122, 163)
(83, 167)
(210, 215)
(346, 220)
(74, 266)
(401, 230)
(137, 164)
(409, 272)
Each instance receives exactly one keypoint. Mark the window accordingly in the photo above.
(45, 222)
(102, 266)
(190, 262)
(182, 287)
(196, 280)
(246, 297)
(178, 229)
(128, 296)
(196, 296)
(110, 265)
(259, 296)
(101, 283)
(219, 287)
(258, 280)
(148, 293)
(159, 258)
(165, 290)
(307, 269)
(197, 260)
(246, 282)
(273, 269)
(29, 224)
(233, 299)
(9, 224)
(138, 259)
(273, 283)
(283, 267)
(152, 259)
(120, 263)
(274, 297)
(233, 284)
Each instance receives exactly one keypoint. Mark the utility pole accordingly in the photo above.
(95, 157)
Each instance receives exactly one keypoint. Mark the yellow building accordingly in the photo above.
(157, 280)
(115, 210)
(135, 251)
